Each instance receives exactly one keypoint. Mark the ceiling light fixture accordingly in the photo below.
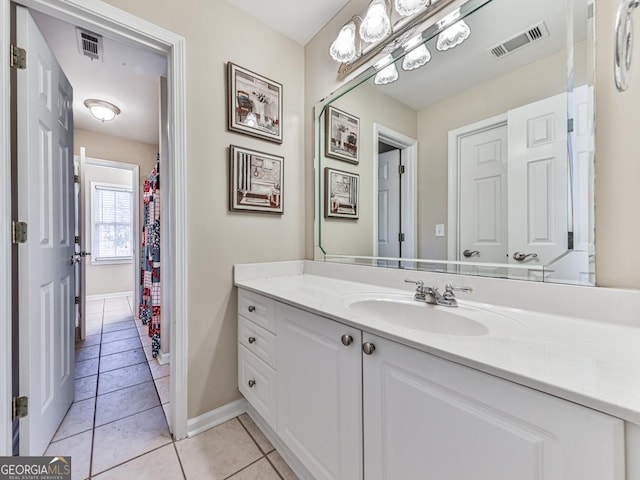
(103, 111)
(387, 75)
(453, 36)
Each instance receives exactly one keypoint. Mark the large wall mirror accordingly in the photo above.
(478, 162)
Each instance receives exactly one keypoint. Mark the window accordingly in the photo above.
(111, 223)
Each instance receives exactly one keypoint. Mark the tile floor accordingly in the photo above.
(117, 428)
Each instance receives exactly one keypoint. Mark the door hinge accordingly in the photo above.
(18, 232)
(19, 407)
(570, 125)
(401, 237)
(18, 57)
(77, 300)
(400, 169)
(76, 179)
(76, 240)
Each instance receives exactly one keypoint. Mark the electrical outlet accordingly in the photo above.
(440, 230)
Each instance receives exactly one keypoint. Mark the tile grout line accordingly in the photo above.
(175, 447)
(133, 458)
(264, 454)
(95, 404)
(246, 466)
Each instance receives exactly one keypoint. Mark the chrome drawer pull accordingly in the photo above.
(252, 339)
(346, 339)
(251, 308)
(252, 383)
(368, 348)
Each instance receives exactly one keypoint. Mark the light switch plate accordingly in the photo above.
(440, 230)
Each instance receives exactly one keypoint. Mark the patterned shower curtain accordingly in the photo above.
(149, 309)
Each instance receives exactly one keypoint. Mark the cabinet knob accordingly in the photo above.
(346, 339)
(251, 383)
(252, 308)
(368, 348)
(252, 339)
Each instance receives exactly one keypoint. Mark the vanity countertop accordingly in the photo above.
(595, 364)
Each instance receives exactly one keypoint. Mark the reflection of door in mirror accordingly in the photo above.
(389, 204)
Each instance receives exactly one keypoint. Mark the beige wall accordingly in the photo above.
(104, 279)
(216, 33)
(370, 105)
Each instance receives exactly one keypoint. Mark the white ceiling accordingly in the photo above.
(471, 63)
(128, 77)
(297, 19)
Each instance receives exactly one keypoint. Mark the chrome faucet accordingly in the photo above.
(432, 296)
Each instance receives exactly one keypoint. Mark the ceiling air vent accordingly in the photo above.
(89, 44)
(533, 34)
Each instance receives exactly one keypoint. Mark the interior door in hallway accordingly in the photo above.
(389, 204)
(46, 272)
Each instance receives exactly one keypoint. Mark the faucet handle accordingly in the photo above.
(450, 289)
(419, 283)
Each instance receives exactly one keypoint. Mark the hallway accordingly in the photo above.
(117, 428)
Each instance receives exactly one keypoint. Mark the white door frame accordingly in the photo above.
(108, 20)
(455, 137)
(135, 187)
(409, 148)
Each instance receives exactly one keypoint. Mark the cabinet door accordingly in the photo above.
(320, 393)
(427, 418)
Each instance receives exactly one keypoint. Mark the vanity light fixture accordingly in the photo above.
(453, 36)
(343, 48)
(417, 54)
(102, 110)
(409, 7)
(387, 75)
(377, 22)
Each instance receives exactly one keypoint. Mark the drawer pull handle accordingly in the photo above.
(252, 308)
(252, 383)
(252, 339)
(346, 339)
(368, 348)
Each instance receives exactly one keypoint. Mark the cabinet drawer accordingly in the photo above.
(257, 340)
(262, 394)
(258, 309)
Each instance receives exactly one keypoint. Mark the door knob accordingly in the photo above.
(252, 339)
(470, 253)
(251, 308)
(368, 348)
(521, 256)
(346, 339)
(251, 383)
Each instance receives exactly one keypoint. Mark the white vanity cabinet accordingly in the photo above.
(425, 417)
(320, 393)
(350, 405)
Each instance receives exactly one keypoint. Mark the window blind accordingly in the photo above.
(112, 223)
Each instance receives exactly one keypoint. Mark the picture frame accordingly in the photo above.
(256, 181)
(341, 190)
(254, 104)
(342, 135)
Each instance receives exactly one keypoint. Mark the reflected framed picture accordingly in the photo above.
(254, 104)
(341, 194)
(256, 181)
(342, 135)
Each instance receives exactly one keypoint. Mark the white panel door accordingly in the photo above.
(427, 418)
(483, 160)
(538, 180)
(46, 203)
(319, 393)
(389, 204)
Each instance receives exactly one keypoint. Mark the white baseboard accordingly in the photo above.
(215, 417)
(163, 358)
(102, 296)
(298, 468)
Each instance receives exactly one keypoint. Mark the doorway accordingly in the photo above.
(125, 26)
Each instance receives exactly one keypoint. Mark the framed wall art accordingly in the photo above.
(256, 181)
(342, 135)
(341, 194)
(254, 104)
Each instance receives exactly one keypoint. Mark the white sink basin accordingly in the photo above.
(403, 311)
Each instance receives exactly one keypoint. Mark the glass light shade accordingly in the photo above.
(387, 75)
(416, 58)
(343, 48)
(409, 7)
(452, 36)
(103, 111)
(376, 24)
